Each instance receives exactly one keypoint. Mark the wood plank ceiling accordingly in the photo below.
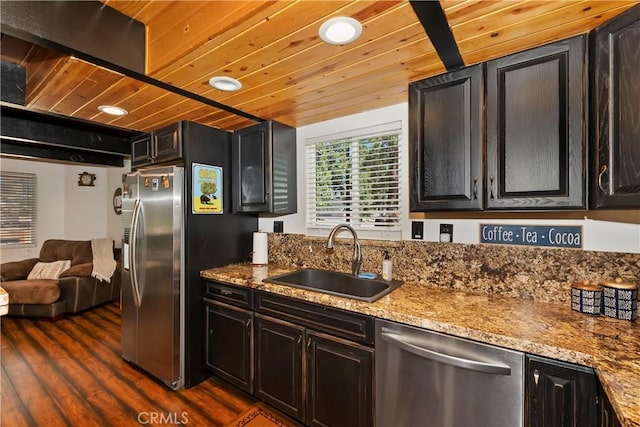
(288, 73)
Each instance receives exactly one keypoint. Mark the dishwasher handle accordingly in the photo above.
(473, 365)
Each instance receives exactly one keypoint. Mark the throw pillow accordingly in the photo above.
(48, 270)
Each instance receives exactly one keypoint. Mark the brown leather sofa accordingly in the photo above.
(74, 291)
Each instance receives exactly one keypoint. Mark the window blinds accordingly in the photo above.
(354, 178)
(17, 208)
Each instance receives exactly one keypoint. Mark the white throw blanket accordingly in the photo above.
(103, 263)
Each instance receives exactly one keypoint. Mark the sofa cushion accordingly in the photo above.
(48, 270)
(78, 270)
(78, 251)
(40, 291)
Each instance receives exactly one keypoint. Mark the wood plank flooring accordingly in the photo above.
(70, 373)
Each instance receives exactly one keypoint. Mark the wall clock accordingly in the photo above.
(86, 179)
(117, 201)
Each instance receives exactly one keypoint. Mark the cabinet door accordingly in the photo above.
(536, 115)
(606, 414)
(252, 168)
(279, 365)
(616, 126)
(446, 141)
(167, 143)
(340, 382)
(228, 344)
(559, 394)
(141, 150)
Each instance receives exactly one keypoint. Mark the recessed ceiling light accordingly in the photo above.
(114, 111)
(226, 84)
(340, 30)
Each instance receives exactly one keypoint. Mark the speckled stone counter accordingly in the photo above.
(610, 346)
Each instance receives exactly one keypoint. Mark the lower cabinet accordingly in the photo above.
(311, 362)
(339, 382)
(228, 343)
(606, 414)
(279, 365)
(559, 394)
(313, 377)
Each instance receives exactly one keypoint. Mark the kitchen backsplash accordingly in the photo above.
(532, 273)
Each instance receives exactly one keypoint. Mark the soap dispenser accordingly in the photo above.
(387, 267)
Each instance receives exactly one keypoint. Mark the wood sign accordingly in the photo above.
(557, 236)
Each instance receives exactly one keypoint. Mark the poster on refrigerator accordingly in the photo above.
(207, 189)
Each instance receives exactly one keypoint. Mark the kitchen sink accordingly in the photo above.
(336, 283)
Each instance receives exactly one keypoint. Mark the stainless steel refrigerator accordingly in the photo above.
(167, 242)
(153, 272)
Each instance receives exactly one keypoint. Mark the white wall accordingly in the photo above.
(597, 235)
(65, 210)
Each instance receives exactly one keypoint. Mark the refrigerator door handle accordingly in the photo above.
(132, 252)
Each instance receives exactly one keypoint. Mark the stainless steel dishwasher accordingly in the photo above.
(426, 378)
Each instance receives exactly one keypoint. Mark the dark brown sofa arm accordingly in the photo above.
(17, 270)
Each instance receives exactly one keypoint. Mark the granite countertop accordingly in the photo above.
(610, 346)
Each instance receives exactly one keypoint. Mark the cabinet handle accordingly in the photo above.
(225, 292)
(210, 331)
(308, 343)
(475, 188)
(248, 323)
(299, 341)
(491, 179)
(602, 172)
(536, 376)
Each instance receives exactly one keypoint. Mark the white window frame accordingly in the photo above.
(393, 232)
(18, 203)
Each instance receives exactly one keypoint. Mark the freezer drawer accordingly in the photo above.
(431, 379)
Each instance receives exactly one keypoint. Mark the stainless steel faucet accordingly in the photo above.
(357, 252)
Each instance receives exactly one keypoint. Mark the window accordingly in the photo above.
(354, 178)
(17, 208)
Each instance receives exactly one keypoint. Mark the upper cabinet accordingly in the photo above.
(445, 127)
(532, 110)
(616, 112)
(264, 169)
(536, 128)
(159, 146)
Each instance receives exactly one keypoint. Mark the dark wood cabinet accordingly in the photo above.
(141, 150)
(536, 128)
(229, 333)
(322, 376)
(160, 146)
(167, 143)
(559, 394)
(446, 126)
(229, 343)
(264, 169)
(616, 112)
(279, 365)
(516, 142)
(340, 384)
(606, 414)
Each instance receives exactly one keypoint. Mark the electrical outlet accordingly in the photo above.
(417, 230)
(446, 232)
(278, 226)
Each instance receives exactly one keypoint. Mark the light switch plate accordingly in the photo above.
(278, 226)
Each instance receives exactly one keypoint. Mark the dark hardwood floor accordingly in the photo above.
(70, 372)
